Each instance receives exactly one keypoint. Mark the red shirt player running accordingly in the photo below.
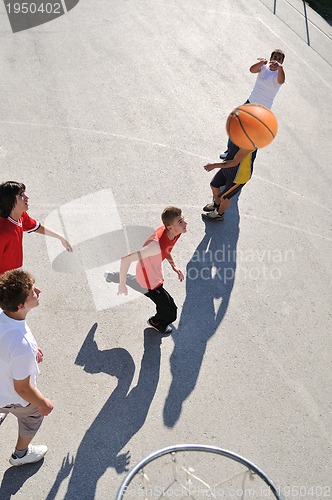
(149, 278)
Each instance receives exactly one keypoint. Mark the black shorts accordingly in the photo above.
(224, 178)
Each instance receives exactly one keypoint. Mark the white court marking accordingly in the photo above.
(159, 144)
(291, 191)
(294, 228)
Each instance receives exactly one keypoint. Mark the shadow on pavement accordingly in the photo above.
(14, 478)
(121, 417)
(210, 277)
(66, 467)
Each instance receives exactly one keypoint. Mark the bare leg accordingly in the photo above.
(216, 194)
(224, 204)
(22, 443)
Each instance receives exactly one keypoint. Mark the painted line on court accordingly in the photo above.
(103, 132)
(293, 228)
(291, 191)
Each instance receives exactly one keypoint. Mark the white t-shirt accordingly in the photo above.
(18, 351)
(265, 88)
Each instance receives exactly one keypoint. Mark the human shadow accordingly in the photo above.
(66, 467)
(122, 415)
(210, 277)
(14, 478)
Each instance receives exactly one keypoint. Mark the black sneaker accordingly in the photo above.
(109, 277)
(153, 325)
(210, 207)
(223, 155)
(215, 215)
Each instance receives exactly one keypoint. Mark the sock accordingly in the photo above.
(20, 453)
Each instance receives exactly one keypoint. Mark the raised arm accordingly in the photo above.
(255, 68)
(240, 155)
(49, 232)
(281, 73)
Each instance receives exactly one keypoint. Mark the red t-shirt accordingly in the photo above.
(149, 273)
(11, 236)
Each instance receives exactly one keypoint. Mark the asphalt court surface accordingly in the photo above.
(108, 115)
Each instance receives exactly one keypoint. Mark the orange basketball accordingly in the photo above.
(251, 126)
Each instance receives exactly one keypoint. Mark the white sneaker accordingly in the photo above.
(34, 454)
(2, 417)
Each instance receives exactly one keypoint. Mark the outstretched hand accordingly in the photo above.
(209, 167)
(275, 62)
(262, 59)
(67, 245)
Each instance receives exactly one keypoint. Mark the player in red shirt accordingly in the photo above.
(14, 220)
(149, 276)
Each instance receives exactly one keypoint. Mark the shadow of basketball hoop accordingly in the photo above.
(197, 471)
(25, 15)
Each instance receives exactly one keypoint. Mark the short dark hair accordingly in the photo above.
(278, 51)
(15, 287)
(169, 214)
(8, 192)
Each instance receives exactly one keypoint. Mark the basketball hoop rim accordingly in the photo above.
(196, 447)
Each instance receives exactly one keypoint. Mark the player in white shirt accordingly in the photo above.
(19, 359)
(270, 77)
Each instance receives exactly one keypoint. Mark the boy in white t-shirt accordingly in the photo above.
(19, 359)
(270, 77)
